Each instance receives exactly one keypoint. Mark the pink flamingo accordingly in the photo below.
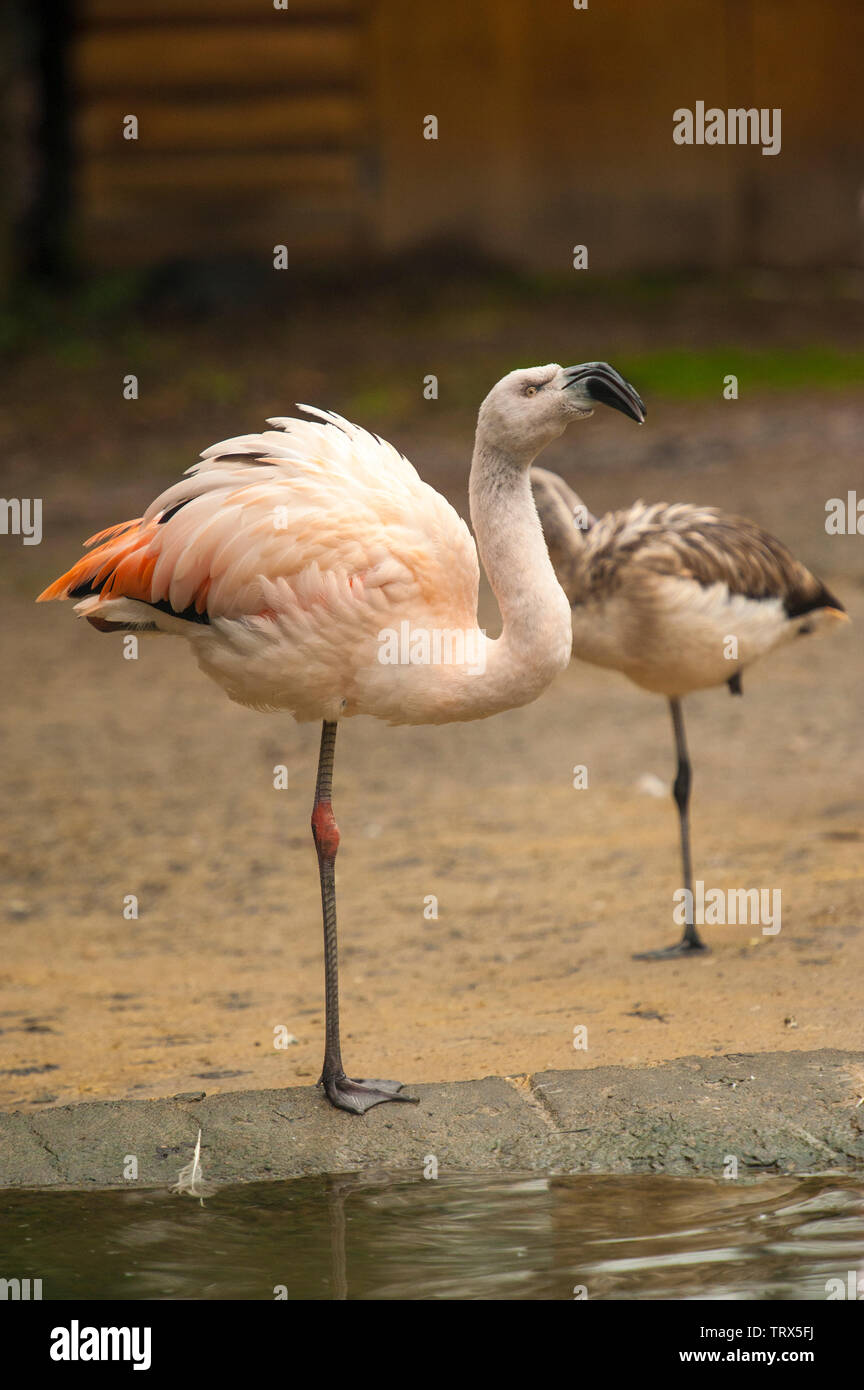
(287, 558)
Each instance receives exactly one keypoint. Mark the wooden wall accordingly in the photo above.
(252, 127)
(304, 126)
(556, 129)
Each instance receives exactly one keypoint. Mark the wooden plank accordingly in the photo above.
(235, 174)
(121, 12)
(131, 240)
(114, 176)
(197, 56)
(241, 122)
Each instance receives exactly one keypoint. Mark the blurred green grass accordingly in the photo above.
(700, 372)
(670, 373)
(214, 346)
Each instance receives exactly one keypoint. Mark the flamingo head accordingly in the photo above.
(530, 407)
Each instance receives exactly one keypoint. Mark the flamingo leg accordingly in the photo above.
(341, 1091)
(691, 940)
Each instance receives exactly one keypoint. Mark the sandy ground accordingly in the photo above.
(138, 777)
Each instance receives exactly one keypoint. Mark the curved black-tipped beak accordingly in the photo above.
(603, 384)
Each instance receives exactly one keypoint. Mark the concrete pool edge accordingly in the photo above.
(772, 1112)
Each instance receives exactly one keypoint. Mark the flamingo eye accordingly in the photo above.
(530, 390)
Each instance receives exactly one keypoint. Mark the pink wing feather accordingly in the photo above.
(297, 515)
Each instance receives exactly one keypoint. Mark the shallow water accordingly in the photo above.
(400, 1237)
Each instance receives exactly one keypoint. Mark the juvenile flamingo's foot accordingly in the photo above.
(360, 1096)
(681, 948)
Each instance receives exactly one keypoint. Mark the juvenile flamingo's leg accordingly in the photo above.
(691, 941)
(341, 1091)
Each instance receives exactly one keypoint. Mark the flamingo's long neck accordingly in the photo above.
(565, 541)
(537, 634)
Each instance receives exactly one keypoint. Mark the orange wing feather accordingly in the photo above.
(120, 567)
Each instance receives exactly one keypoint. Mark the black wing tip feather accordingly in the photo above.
(189, 615)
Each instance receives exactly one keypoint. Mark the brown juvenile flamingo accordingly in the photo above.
(657, 592)
(289, 559)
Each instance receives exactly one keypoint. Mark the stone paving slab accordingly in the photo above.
(775, 1112)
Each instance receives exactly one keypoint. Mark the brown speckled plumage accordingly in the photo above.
(675, 539)
(678, 598)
